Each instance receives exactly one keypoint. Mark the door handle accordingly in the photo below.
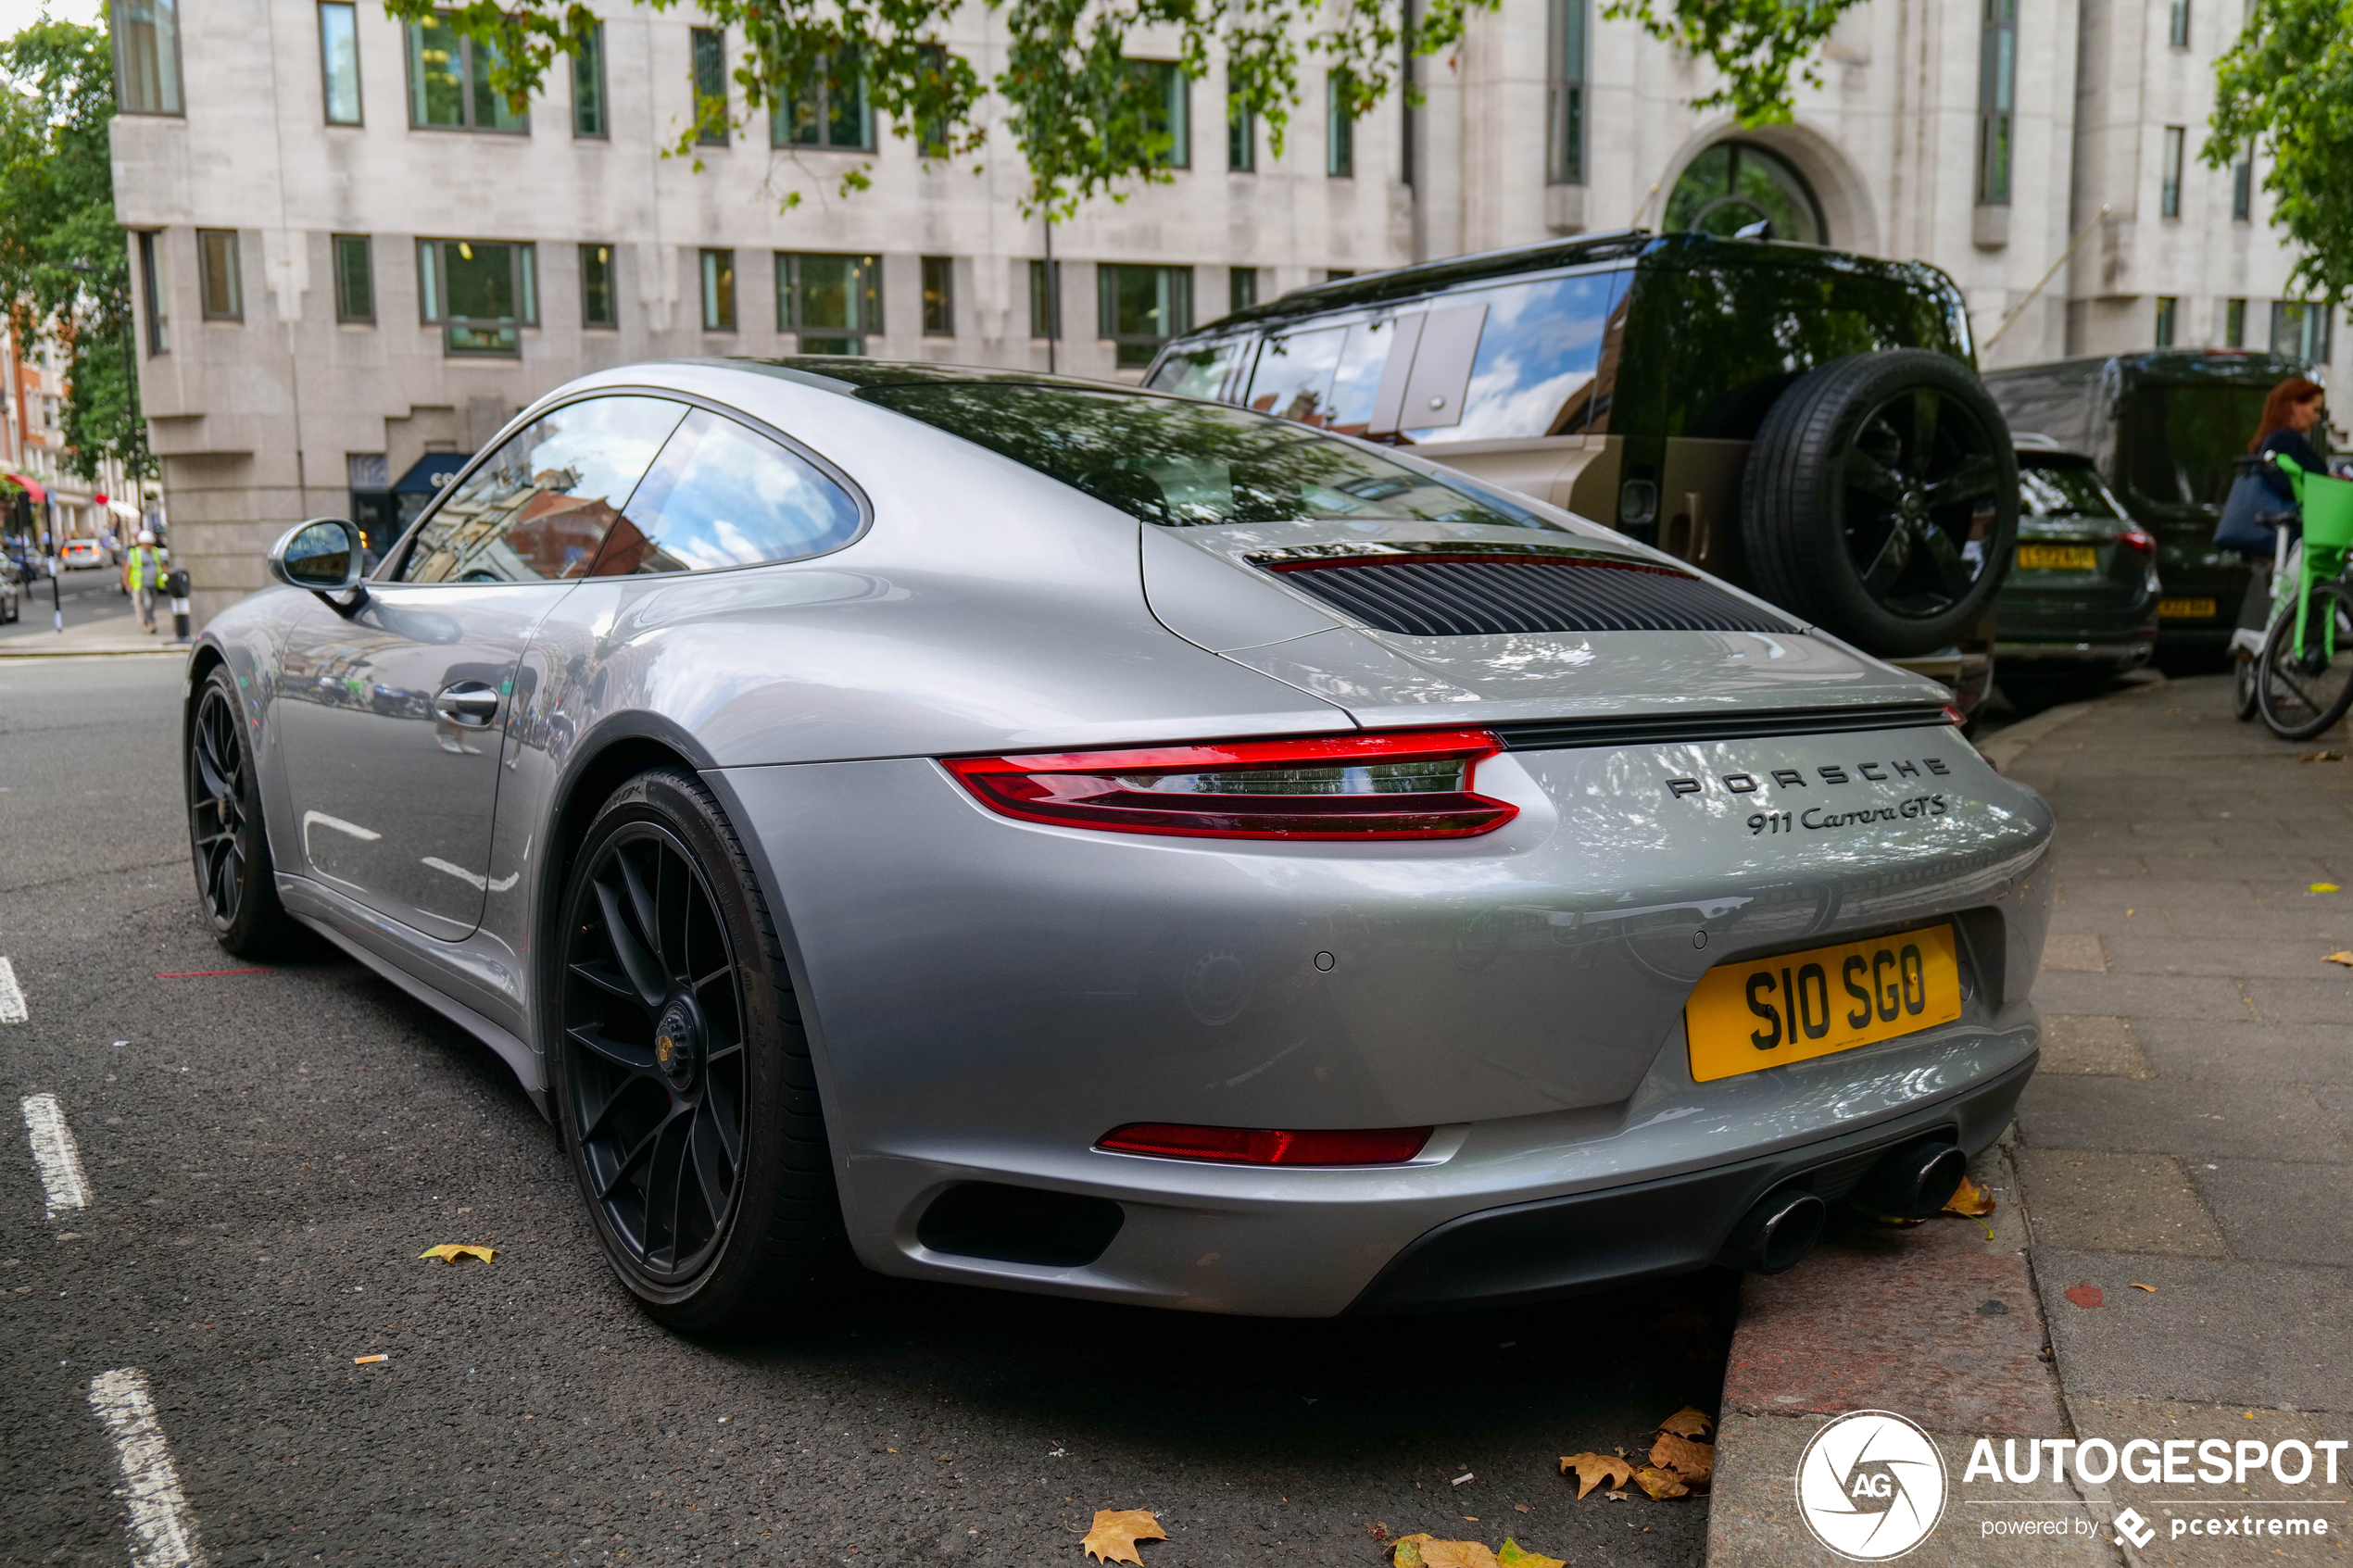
(469, 703)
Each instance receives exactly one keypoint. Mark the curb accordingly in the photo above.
(175, 650)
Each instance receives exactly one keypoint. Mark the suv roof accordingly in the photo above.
(2162, 367)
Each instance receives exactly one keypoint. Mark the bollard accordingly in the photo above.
(176, 583)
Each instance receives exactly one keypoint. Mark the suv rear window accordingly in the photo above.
(1180, 463)
(2175, 445)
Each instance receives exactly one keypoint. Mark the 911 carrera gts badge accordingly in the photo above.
(1792, 778)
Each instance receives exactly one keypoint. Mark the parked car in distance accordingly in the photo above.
(82, 552)
(1803, 422)
(2165, 428)
(11, 592)
(2079, 606)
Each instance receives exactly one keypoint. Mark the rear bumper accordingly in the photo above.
(1563, 1246)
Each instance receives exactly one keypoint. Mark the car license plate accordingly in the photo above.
(2185, 609)
(2058, 558)
(1767, 1012)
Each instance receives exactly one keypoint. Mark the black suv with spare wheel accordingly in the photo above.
(1805, 422)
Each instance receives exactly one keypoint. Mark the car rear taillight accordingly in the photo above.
(1264, 1145)
(1954, 715)
(2134, 537)
(1366, 786)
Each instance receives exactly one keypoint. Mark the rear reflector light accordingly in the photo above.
(1412, 785)
(1261, 1146)
(2137, 538)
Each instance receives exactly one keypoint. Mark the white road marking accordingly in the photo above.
(12, 1009)
(53, 1150)
(163, 1535)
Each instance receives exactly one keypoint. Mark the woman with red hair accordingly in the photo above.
(2290, 414)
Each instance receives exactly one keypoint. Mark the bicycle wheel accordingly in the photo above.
(2243, 668)
(2300, 695)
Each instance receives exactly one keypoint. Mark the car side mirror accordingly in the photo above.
(322, 556)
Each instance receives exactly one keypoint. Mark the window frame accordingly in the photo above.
(1996, 102)
(350, 10)
(345, 316)
(205, 276)
(1045, 300)
(2177, 24)
(611, 264)
(2167, 326)
(1241, 135)
(412, 38)
(2235, 324)
(1340, 128)
(2279, 318)
(789, 294)
(1242, 288)
(2172, 147)
(597, 101)
(1174, 90)
(714, 40)
(154, 310)
(1107, 277)
(716, 284)
(2243, 185)
(1567, 59)
(816, 94)
(943, 267)
(432, 291)
(172, 82)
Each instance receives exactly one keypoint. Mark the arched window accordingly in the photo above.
(1733, 187)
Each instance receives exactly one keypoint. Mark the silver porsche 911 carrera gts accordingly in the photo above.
(1045, 835)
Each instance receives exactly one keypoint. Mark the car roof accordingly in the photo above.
(854, 373)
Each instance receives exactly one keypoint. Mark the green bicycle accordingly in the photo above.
(2304, 677)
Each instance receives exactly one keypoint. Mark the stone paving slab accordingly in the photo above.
(2154, 952)
(2114, 994)
(2291, 1212)
(2209, 1119)
(2120, 1421)
(2091, 1045)
(2303, 1053)
(2084, 1200)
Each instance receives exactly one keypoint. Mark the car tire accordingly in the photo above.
(226, 835)
(1881, 500)
(680, 1057)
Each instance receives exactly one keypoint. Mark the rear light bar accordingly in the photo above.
(1363, 786)
(1259, 1146)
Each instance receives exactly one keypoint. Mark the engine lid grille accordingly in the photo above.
(1458, 590)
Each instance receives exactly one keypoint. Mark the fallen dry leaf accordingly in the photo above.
(1614, 1497)
(1426, 1550)
(2084, 1295)
(1116, 1532)
(1970, 1199)
(364, 1361)
(450, 1251)
(1693, 1462)
(2150, 1288)
(1513, 1555)
(1595, 1468)
(1660, 1484)
(1689, 1421)
(2345, 958)
(2322, 757)
(2324, 887)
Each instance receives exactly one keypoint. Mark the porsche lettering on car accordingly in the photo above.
(1022, 831)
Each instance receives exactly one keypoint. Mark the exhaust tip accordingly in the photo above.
(1776, 1233)
(1914, 1182)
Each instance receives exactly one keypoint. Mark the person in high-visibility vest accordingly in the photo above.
(143, 572)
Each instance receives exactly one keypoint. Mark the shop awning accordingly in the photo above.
(31, 488)
(430, 474)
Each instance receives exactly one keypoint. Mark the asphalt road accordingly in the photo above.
(87, 595)
(266, 1154)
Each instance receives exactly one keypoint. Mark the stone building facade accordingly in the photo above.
(350, 258)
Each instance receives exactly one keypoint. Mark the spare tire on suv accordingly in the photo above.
(1880, 499)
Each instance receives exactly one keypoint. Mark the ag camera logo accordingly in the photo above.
(1870, 1485)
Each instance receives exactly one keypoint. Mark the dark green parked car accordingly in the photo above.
(2164, 429)
(2079, 607)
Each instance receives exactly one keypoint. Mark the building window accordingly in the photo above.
(1171, 112)
(339, 60)
(1143, 308)
(146, 56)
(599, 308)
(2235, 324)
(1241, 134)
(2301, 331)
(2177, 25)
(589, 120)
(1739, 188)
(156, 309)
(217, 281)
(939, 296)
(2168, 186)
(2243, 185)
(833, 302)
(1242, 288)
(710, 87)
(719, 291)
(1339, 127)
(830, 111)
(355, 278)
(480, 292)
(1997, 94)
(931, 137)
(1565, 93)
(450, 82)
(1338, 274)
(1046, 299)
(2167, 308)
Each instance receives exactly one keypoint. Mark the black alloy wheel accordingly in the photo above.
(225, 836)
(1881, 500)
(2301, 694)
(683, 1081)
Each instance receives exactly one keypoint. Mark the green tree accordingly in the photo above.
(64, 274)
(2286, 87)
(1085, 122)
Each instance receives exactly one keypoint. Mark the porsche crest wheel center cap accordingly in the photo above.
(678, 1042)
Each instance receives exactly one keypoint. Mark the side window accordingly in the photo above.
(1329, 377)
(1200, 372)
(539, 508)
(1538, 352)
(720, 495)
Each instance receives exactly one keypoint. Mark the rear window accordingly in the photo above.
(2063, 490)
(2176, 445)
(1180, 463)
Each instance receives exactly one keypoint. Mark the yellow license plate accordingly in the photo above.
(2185, 609)
(1767, 1012)
(2058, 558)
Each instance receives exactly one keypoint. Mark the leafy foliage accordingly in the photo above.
(1754, 44)
(2287, 87)
(64, 274)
